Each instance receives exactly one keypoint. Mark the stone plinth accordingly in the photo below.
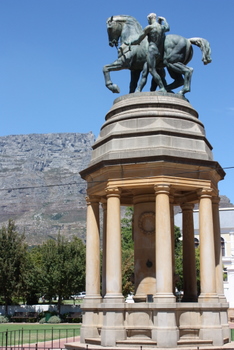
(151, 125)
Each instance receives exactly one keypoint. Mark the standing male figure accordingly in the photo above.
(155, 32)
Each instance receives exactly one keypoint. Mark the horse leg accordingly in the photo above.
(187, 80)
(178, 80)
(179, 68)
(135, 74)
(115, 66)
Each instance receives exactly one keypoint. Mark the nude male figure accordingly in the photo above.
(155, 32)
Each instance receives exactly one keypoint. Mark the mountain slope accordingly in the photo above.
(41, 188)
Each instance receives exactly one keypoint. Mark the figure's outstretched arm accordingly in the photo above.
(140, 38)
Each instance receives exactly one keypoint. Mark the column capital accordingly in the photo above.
(205, 193)
(187, 206)
(162, 189)
(92, 199)
(113, 192)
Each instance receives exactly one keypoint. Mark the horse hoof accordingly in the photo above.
(115, 89)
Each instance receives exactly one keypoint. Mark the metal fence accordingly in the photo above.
(38, 338)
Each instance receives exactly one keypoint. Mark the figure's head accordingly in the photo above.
(151, 17)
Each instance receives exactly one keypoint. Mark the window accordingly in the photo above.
(222, 246)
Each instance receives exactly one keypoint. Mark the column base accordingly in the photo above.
(90, 324)
(222, 298)
(164, 298)
(208, 298)
(110, 335)
(166, 333)
(92, 300)
(113, 298)
(113, 324)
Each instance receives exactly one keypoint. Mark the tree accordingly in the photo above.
(179, 281)
(179, 262)
(62, 265)
(31, 277)
(12, 262)
(127, 253)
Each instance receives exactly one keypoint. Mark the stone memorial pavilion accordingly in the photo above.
(152, 154)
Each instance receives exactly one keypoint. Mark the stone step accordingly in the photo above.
(194, 342)
(93, 341)
(136, 342)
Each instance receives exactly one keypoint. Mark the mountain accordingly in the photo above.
(40, 185)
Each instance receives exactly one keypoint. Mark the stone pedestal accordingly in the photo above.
(151, 154)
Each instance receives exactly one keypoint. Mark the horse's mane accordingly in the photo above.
(132, 27)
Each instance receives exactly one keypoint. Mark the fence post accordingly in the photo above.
(6, 338)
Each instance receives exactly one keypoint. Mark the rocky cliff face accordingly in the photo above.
(40, 185)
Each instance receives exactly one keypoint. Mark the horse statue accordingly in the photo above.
(178, 52)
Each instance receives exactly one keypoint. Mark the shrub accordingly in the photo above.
(4, 319)
(42, 320)
(54, 319)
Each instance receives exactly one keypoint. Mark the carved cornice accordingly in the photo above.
(205, 193)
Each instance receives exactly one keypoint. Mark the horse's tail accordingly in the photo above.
(205, 48)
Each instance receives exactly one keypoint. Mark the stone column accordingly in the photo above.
(218, 251)
(92, 249)
(104, 207)
(189, 264)
(113, 315)
(207, 254)
(164, 270)
(166, 320)
(113, 246)
(91, 320)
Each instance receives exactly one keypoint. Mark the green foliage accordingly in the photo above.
(31, 279)
(42, 320)
(126, 230)
(61, 267)
(178, 259)
(197, 258)
(179, 280)
(4, 319)
(127, 253)
(12, 262)
(54, 319)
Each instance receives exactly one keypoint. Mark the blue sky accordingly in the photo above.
(52, 54)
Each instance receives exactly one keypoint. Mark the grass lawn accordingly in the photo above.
(34, 333)
(33, 326)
